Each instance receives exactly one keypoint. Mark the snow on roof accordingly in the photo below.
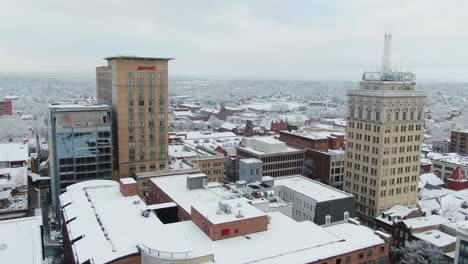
(436, 238)
(14, 152)
(23, 240)
(18, 177)
(425, 161)
(322, 135)
(313, 189)
(228, 126)
(430, 192)
(239, 206)
(203, 135)
(395, 213)
(425, 221)
(452, 158)
(429, 205)
(182, 113)
(180, 151)
(127, 180)
(126, 228)
(250, 161)
(430, 178)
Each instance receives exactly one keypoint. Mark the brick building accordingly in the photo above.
(5, 107)
(278, 158)
(324, 159)
(459, 141)
(211, 222)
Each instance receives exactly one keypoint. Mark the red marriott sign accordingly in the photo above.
(146, 68)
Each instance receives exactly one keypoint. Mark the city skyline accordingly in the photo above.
(313, 41)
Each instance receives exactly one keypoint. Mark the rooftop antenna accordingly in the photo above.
(387, 54)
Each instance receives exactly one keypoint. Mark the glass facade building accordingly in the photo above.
(80, 144)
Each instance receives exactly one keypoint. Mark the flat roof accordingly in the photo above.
(23, 240)
(123, 57)
(436, 238)
(425, 221)
(14, 152)
(78, 107)
(313, 189)
(125, 229)
(127, 180)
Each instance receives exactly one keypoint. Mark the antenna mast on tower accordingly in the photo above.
(387, 54)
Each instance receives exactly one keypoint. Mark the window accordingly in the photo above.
(130, 75)
(225, 232)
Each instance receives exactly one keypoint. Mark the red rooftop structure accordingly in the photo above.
(457, 180)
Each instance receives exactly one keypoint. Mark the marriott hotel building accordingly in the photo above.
(137, 90)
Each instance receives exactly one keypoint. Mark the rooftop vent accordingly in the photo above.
(145, 213)
(239, 215)
(3, 246)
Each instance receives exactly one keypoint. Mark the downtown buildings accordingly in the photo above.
(188, 220)
(80, 144)
(384, 136)
(137, 90)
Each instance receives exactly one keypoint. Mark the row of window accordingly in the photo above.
(149, 75)
(142, 168)
(375, 115)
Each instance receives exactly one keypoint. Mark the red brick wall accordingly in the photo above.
(157, 196)
(359, 256)
(302, 142)
(128, 189)
(337, 142)
(277, 126)
(236, 228)
(322, 161)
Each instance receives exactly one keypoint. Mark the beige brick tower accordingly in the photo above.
(384, 134)
(137, 89)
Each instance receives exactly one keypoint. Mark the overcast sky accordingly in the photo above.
(317, 40)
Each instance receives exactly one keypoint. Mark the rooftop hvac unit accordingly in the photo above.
(145, 213)
(225, 207)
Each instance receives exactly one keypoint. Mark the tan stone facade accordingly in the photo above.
(137, 89)
(384, 135)
(213, 167)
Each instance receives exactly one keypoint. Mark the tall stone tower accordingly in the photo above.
(137, 90)
(384, 134)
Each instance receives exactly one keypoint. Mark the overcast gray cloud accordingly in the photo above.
(261, 39)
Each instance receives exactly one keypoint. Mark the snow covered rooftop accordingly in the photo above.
(315, 135)
(425, 221)
(13, 177)
(429, 178)
(436, 238)
(14, 152)
(22, 240)
(228, 126)
(452, 158)
(316, 190)
(430, 192)
(128, 180)
(204, 135)
(112, 232)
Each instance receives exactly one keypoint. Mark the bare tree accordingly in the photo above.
(311, 169)
(418, 252)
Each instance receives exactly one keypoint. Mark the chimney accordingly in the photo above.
(128, 187)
